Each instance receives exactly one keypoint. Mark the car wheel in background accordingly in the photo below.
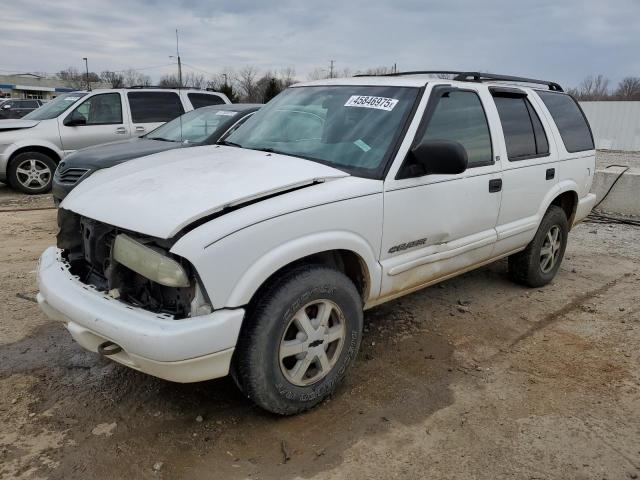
(31, 172)
(299, 339)
(536, 265)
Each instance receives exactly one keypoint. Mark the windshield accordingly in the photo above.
(55, 107)
(193, 127)
(352, 128)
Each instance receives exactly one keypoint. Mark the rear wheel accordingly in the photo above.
(539, 262)
(31, 172)
(300, 339)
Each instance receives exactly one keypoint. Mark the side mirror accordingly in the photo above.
(75, 120)
(441, 156)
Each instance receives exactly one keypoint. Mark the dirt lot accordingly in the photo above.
(475, 378)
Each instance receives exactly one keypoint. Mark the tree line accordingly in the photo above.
(250, 86)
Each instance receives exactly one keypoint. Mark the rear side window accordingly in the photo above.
(148, 107)
(523, 132)
(570, 120)
(459, 116)
(203, 100)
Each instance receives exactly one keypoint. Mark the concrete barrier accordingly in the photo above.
(624, 198)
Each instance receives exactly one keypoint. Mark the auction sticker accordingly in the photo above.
(366, 101)
(71, 99)
(226, 113)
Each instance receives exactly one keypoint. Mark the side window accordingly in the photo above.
(570, 121)
(523, 132)
(149, 107)
(101, 109)
(459, 116)
(203, 100)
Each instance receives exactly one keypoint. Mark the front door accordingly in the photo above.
(438, 225)
(101, 121)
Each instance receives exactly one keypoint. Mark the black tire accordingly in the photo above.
(526, 267)
(258, 368)
(34, 162)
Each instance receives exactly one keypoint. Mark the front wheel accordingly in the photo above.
(536, 265)
(31, 172)
(299, 340)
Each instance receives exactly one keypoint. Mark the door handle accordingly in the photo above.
(495, 185)
(139, 129)
(121, 130)
(551, 172)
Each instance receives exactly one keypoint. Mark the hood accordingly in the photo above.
(160, 194)
(15, 124)
(110, 154)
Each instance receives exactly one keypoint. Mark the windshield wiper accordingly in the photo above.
(162, 139)
(230, 144)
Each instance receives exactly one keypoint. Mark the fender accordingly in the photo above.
(302, 247)
(33, 142)
(559, 188)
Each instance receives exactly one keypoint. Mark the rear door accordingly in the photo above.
(528, 157)
(104, 121)
(438, 225)
(149, 110)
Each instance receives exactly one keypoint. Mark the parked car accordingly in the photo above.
(258, 256)
(31, 147)
(204, 126)
(17, 107)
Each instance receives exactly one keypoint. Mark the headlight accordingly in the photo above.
(149, 263)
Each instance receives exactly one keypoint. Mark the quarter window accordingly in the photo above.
(204, 100)
(459, 117)
(150, 107)
(102, 109)
(571, 122)
(523, 132)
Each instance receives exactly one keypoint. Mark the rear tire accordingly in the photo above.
(31, 172)
(300, 338)
(536, 265)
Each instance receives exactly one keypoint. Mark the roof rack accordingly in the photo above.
(140, 87)
(477, 77)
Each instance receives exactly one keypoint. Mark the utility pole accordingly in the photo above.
(179, 64)
(395, 68)
(86, 65)
(331, 68)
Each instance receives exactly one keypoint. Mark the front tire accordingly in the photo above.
(538, 264)
(31, 172)
(300, 338)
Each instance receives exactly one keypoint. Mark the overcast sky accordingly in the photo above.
(562, 40)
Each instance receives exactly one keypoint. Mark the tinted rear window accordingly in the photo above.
(523, 131)
(571, 123)
(148, 107)
(203, 100)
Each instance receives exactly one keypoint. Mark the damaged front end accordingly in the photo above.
(136, 269)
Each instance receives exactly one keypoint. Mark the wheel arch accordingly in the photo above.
(347, 253)
(568, 201)
(50, 152)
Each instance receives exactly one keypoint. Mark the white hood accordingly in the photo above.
(15, 124)
(160, 194)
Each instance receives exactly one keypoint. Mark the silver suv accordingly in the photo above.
(31, 147)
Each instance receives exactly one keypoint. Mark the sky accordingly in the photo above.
(560, 40)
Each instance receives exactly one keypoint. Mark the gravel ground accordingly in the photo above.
(516, 384)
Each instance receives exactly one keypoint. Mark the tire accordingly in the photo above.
(538, 264)
(278, 362)
(31, 172)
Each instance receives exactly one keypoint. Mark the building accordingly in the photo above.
(30, 85)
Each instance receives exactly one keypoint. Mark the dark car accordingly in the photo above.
(17, 108)
(204, 126)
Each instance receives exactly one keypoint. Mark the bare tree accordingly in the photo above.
(287, 76)
(318, 74)
(170, 80)
(72, 77)
(194, 80)
(594, 88)
(248, 85)
(628, 89)
(114, 79)
(376, 71)
(132, 78)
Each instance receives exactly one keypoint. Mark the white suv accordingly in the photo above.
(258, 256)
(31, 147)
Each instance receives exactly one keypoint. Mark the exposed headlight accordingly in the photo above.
(149, 263)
